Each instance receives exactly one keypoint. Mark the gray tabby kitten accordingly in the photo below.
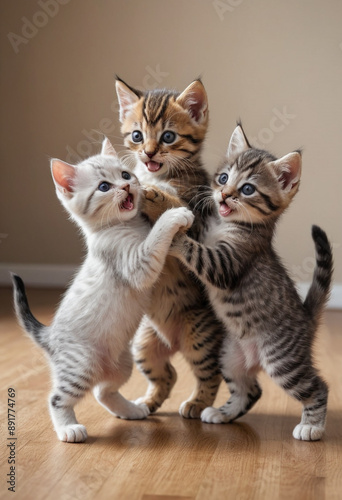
(88, 342)
(267, 324)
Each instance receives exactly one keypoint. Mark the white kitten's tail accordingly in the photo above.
(25, 317)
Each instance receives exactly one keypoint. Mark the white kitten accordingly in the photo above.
(88, 342)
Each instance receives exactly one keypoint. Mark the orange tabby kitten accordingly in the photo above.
(164, 133)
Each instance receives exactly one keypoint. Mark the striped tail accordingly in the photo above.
(25, 317)
(319, 291)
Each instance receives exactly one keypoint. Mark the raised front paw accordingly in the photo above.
(213, 415)
(180, 218)
(154, 194)
(156, 201)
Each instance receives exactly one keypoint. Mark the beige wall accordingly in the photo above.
(258, 59)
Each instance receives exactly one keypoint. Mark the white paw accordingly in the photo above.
(181, 217)
(191, 409)
(213, 416)
(75, 433)
(136, 411)
(182, 408)
(305, 432)
(140, 401)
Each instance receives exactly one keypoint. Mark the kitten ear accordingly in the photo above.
(107, 148)
(127, 96)
(288, 169)
(194, 99)
(238, 144)
(63, 175)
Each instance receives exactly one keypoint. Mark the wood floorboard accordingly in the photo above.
(164, 457)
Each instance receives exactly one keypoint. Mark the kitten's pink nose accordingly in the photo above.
(125, 188)
(150, 155)
(229, 195)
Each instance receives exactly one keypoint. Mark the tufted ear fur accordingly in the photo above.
(194, 99)
(107, 148)
(127, 96)
(238, 144)
(288, 170)
(63, 175)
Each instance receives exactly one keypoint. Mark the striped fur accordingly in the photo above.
(267, 325)
(179, 317)
(175, 167)
(88, 342)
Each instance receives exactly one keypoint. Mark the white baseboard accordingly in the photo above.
(58, 276)
(335, 301)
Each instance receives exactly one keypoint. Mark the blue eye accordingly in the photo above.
(137, 136)
(247, 189)
(126, 176)
(223, 178)
(168, 137)
(104, 187)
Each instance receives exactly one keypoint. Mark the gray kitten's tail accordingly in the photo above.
(319, 291)
(25, 317)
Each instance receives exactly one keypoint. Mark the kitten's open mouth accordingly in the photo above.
(224, 210)
(153, 166)
(127, 204)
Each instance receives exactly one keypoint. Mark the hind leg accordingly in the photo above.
(242, 383)
(108, 396)
(312, 425)
(200, 345)
(64, 419)
(107, 392)
(301, 381)
(203, 395)
(69, 388)
(152, 359)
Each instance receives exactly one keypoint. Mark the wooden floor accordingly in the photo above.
(164, 457)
